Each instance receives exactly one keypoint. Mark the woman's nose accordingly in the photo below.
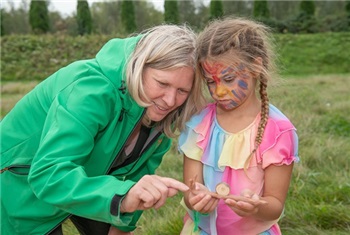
(170, 98)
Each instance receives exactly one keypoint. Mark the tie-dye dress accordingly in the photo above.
(223, 156)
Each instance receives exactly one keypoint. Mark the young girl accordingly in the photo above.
(240, 142)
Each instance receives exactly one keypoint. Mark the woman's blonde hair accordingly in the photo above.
(242, 40)
(166, 47)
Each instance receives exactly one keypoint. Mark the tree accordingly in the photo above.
(128, 16)
(307, 8)
(238, 8)
(2, 32)
(283, 10)
(84, 19)
(39, 17)
(107, 19)
(147, 15)
(216, 9)
(187, 12)
(305, 21)
(202, 14)
(261, 10)
(171, 12)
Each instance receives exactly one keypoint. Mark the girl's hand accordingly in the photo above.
(115, 231)
(248, 204)
(201, 200)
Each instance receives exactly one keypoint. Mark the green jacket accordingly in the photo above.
(59, 142)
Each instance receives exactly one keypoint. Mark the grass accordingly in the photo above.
(319, 197)
(300, 54)
(315, 96)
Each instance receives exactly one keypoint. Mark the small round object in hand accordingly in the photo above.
(222, 189)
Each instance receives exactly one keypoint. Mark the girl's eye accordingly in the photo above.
(229, 79)
(210, 82)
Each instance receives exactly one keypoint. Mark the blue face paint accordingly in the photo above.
(242, 84)
(235, 93)
(234, 104)
(243, 95)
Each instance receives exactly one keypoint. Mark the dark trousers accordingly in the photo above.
(85, 226)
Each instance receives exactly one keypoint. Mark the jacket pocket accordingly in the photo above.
(17, 169)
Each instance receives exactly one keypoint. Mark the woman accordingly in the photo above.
(86, 142)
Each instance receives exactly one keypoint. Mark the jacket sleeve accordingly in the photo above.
(57, 175)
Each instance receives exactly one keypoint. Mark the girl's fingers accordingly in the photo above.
(211, 205)
(200, 201)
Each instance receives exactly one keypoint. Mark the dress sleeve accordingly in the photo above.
(280, 141)
(188, 144)
(284, 151)
(194, 138)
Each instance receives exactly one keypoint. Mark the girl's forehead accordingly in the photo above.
(211, 66)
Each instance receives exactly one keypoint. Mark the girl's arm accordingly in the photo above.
(202, 201)
(277, 180)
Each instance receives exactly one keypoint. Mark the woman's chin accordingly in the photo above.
(156, 116)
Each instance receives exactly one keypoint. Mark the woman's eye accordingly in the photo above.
(162, 84)
(183, 92)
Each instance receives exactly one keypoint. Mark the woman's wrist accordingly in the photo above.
(121, 206)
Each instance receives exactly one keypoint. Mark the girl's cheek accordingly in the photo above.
(211, 90)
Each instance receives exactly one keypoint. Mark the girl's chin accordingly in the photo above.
(226, 106)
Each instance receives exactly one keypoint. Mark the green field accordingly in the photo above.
(314, 94)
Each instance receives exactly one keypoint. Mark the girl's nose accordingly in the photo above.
(220, 90)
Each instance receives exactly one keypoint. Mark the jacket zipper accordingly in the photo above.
(154, 138)
(151, 142)
(121, 149)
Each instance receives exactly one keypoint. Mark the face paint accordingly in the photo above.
(213, 70)
(227, 85)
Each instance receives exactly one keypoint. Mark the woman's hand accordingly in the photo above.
(247, 204)
(200, 199)
(115, 231)
(151, 191)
